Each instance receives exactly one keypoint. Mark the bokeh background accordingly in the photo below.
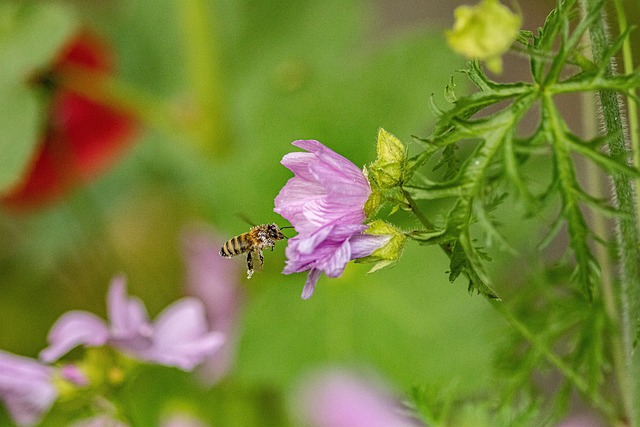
(259, 76)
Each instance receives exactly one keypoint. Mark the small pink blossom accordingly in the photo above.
(179, 337)
(324, 202)
(99, 421)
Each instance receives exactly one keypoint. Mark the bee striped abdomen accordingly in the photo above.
(234, 246)
(252, 243)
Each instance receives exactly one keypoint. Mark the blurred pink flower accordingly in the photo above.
(582, 420)
(341, 399)
(99, 421)
(324, 202)
(26, 388)
(181, 420)
(179, 337)
(215, 283)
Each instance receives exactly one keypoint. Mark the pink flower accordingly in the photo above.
(215, 282)
(26, 388)
(99, 421)
(324, 202)
(179, 337)
(340, 399)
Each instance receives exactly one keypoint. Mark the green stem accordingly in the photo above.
(201, 54)
(627, 238)
(423, 220)
(632, 107)
(594, 183)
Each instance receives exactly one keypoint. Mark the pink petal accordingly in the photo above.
(181, 337)
(127, 316)
(328, 158)
(74, 328)
(310, 285)
(339, 399)
(334, 265)
(26, 387)
(308, 244)
(363, 245)
(298, 163)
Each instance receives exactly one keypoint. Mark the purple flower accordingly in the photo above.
(179, 337)
(340, 399)
(26, 388)
(215, 283)
(324, 202)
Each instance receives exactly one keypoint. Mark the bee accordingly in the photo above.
(251, 243)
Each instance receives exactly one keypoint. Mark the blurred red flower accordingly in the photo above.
(82, 138)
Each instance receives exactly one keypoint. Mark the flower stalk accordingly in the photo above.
(627, 238)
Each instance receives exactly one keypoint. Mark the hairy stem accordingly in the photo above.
(627, 238)
(632, 107)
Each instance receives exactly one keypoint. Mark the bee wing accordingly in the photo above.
(245, 218)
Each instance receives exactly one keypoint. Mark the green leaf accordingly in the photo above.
(30, 37)
(586, 273)
(19, 120)
(606, 162)
(450, 91)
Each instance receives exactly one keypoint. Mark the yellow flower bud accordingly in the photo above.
(484, 32)
(387, 170)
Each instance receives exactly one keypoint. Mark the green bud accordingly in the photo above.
(373, 203)
(387, 171)
(484, 32)
(389, 253)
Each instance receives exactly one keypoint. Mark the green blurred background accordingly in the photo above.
(281, 70)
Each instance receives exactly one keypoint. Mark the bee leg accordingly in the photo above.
(261, 257)
(249, 265)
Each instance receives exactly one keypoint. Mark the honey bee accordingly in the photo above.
(252, 242)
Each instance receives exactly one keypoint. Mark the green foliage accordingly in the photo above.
(302, 69)
(499, 154)
(477, 161)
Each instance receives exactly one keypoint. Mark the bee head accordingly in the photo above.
(274, 232)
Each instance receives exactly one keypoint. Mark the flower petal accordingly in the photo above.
(334, 265)
(72, 329)
(26, 387)
(181, 336)
(363, 245)
(128, 316)
(341, 399)
(310, 285)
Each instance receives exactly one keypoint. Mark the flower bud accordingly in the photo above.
(484, 32)
(389, 253)
(69, 379)
(387, 170)
(373, 203)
